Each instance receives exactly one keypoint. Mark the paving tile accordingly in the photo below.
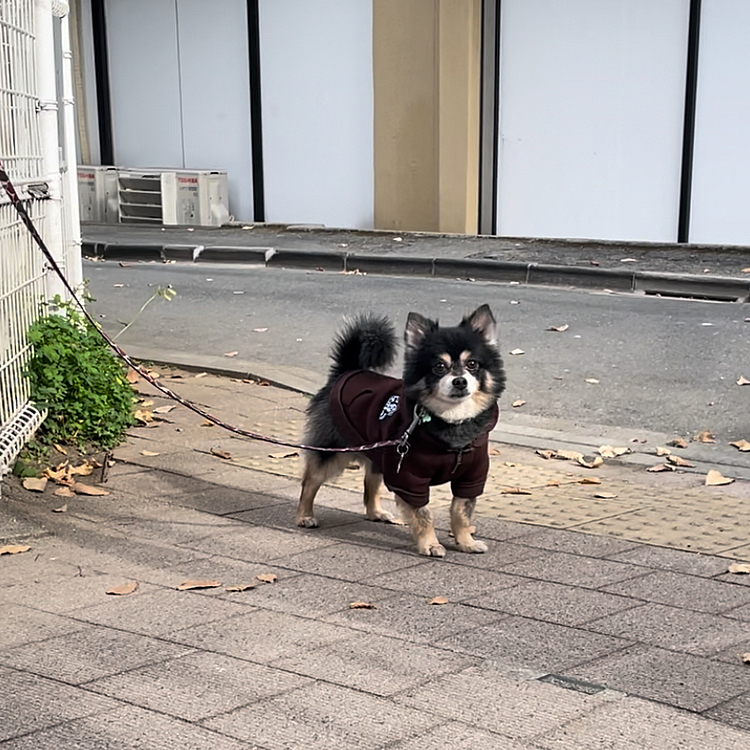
(458, 736)
(674, 560)
(412, 618)
(529, 643)
(673, 628)
(260, 635)
(128, 728)
(499, 554)
(635, 724)
(681, 590)
(576, 543)
(735, 712)
(40, 563)
(740, 613)
(21, 625)
(374, 664)
(281, 515)
(322, 717)
(351, 562)
(159, 612)
(31, 703)
(553, 602)
(88, 653)
(683, 680)
(493, 701)
(576, 570)
(179, 525)
(491, 527)
(457, 582)
(197, 686)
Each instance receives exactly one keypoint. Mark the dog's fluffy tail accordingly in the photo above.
(368, 342)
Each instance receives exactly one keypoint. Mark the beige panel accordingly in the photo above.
(426, 97)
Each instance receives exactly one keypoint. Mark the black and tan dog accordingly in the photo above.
(440, 414)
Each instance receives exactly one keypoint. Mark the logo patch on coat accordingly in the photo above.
(390, 408)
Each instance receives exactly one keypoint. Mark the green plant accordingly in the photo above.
(73, 375)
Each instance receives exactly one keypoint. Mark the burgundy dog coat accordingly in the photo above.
(368, 407)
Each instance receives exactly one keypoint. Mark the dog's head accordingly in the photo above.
(455, 373)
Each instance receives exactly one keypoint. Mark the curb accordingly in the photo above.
(716, 288)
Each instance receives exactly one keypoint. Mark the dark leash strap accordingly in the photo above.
(29, 224)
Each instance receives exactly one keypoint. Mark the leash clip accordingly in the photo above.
(402, 447)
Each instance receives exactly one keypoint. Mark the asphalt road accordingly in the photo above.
(664, 365)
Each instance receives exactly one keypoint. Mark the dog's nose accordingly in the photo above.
(459, 384)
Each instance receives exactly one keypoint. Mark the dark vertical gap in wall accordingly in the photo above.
(688, 131)
(101, 73)
(489, 116)
(256, 116)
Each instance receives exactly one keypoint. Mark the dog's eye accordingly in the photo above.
(472, 365)
(440, 368)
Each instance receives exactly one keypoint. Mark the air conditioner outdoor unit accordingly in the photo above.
(97, 194)
(173, 196)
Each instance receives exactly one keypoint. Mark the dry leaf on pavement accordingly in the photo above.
(226, 455)
(241, 587)
(559, 329)
(517, 403)
(746, 658)
(591, 381)
(678, 443)
(589, 480)
(742, 381)
(663, 451)
(267, 577)
(231, 354)
(14, 549)
(706, 436)
(439, 600)
(661, 467)
(124, 589)
(361, 605)
(132, 377)
(144, 416)
(714, 479)
(545, 454)
(677, 461)
(590, 462)
(515, 491)
(64, 492)
(35, 484)
(568, 455)
(605, 495)
(517, 352)
(61, 509)
(164, 409)
(149, 453)
(207, 423)
(87, 489)
(741, 445)
(739, 568)
(83, 470)
(190, 585)
(608, 451)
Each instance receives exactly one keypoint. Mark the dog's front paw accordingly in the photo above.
(382, 516)
(433, 550)
(474, 546)
(307, 522)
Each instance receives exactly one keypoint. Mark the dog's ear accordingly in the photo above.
(483, 321)
(417, 327)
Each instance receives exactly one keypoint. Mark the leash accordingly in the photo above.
(127, 359)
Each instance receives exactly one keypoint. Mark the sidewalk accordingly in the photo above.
(603, 614)
(702, 271)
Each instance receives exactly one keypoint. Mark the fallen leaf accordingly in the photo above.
(605, 495)
(201, 375)
(568, 455)
(592, 381)
(132, 376)
(164, 409)
(62, 508)
(746, 658)
(739, 568)
(677, 461)
(519, 402)
(552, 483)
(662, 451)
(509, 464)
(14, 549)
(143, 415)
(608, 451)
(149, 453)
(661, 467)
(226, 455)
(59, 448)
(241, 587)
(439, 600)
(147, 402)
(64, 492)
(58, 474)
(494, 452)
(124, 589)
(714, 478)
(231, 354)
(208, 423)
(283, 454)
(267, 577)
(361, 605)
(87, 489)
(589, 480)
(678, 443)
(516, 352)
(704, 437)
(82, 470)
(743, 381)
(590, 462)
(559, 329)
(741, 445)
(545, 454)
(515, 491)
(190, 585)
(260, 330)
(35, 484)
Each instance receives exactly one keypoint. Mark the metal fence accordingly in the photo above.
(32, 160)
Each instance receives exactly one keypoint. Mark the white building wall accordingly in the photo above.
(591, 116)
(317, 102)
(721, 166)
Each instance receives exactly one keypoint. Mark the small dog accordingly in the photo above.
(439, 417)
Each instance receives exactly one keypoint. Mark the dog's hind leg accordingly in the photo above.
(373, 509)
(422, 529)
(461, 511)
(317, 471)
